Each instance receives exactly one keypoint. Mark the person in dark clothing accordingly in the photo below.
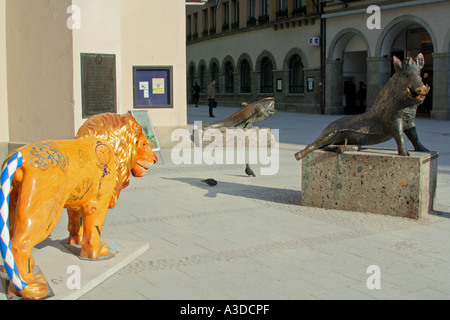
(428, 102)
(362, 92)
(195, 94)
(350, 96)
(212, 97)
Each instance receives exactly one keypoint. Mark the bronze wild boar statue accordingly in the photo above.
(392, 114)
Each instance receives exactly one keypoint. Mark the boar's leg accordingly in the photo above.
(397, 134)
(326, 138)
(411, 133)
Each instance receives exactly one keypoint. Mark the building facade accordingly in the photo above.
(313, 56)
(64, 60)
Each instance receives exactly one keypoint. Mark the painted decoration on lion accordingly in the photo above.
(84, 175)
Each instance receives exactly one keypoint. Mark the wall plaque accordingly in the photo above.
(98, 83)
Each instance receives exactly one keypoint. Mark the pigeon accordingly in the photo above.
(210, 182)
(249, 171)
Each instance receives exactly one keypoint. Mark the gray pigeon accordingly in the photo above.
(210, 182)
(249, 171)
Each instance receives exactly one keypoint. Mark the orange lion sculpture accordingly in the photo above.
(84, 175)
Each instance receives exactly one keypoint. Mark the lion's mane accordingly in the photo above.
(122, 132)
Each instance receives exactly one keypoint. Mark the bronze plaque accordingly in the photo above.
(98, 83)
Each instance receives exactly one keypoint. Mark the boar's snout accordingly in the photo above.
(423, 90)
(419, 92)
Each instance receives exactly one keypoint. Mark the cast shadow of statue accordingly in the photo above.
(441, 214)
(55, 243)
(276, 195)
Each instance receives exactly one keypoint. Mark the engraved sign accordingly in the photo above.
(98, 80)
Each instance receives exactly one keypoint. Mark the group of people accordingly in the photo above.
(211, 90)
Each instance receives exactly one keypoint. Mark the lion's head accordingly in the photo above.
(131, 148)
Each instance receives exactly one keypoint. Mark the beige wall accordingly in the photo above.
(4, 127)
(99, 32)
(39, 64)
(155, 35)
(278, 43)
(139, 33)
(40, 94)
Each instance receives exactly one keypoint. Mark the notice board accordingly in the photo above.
(152, 87)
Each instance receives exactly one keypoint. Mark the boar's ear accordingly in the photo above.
(397, 64)
(420, 60)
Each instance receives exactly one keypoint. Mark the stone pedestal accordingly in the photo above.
(370, 180)
(69, 276)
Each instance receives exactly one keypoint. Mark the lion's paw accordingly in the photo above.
(93, 253)
(34, 290)
(104, 249)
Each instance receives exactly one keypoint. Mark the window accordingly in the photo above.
(236, 11)
(229, 78)
(266, 76)
(300, 3)
(213, 17)
(188, 25)
(245, 77)
(212, 22)
(202, 76)
(282, 4)
(205, 20)
(215, 75)
(226, 17)
(300, 7)
(251, 8)
(195, 23)
(296, 74)
(264, 8)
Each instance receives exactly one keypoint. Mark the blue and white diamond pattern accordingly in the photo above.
(8, 170)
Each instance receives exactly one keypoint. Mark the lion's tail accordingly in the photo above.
(9, 168)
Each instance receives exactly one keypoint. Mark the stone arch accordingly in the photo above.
(243, 82)
(345, 69)
(228, 79)
(203, 78)
(293, 52)
(192, 75)
(212, 62)
(446, 46)
(265, 54)
(337, 45)
(225, 61)
(385, 48)
(191, 67)
(243, 57)
(393, 28)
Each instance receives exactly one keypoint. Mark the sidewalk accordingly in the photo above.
(249, 238)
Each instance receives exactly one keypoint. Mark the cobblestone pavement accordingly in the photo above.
(249, 238)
